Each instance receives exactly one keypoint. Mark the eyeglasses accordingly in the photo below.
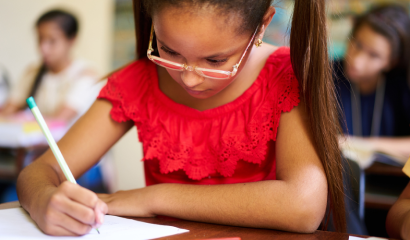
(205, 72)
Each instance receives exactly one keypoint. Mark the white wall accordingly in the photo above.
(18, 49)
(127, 155)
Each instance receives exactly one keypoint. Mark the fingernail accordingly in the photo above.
(100, 218)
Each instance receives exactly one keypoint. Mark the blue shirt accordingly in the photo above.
(395, 121)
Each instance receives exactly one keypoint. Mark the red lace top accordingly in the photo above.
(232, 143)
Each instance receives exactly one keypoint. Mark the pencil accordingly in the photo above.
(51, 142)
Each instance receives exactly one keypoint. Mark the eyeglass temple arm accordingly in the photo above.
(247, 47)
(150, 49)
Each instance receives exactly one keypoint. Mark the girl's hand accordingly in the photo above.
(132, 203)
(405, 228)
(69, 210)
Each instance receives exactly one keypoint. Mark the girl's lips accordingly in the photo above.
(193, 92)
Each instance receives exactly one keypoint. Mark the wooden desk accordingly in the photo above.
(384, 184)
(204, 230)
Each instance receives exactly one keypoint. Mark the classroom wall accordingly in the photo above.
(18, 49)
(127, 155)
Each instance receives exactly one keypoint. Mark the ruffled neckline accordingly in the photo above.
(183, 110)
(204, 142)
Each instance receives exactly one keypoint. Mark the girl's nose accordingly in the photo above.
(358, 61)
(191, 79)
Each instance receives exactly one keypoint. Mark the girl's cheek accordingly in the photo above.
(175, 75)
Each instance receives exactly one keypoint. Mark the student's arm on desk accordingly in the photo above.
(295, 202)
(9, 108)
(68, 209)
(396, 146)
(398, 218)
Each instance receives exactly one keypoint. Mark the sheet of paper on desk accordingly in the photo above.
(370, 238)
(16, 224)
(406, 168)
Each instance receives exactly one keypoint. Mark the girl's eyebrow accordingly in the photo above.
(162, 43)
(225, 54)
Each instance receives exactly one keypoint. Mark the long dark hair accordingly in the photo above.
(68, 23)
(393, 22)
(310, 62)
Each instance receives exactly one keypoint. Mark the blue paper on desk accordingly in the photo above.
(16, 224)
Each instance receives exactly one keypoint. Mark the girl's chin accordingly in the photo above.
(200, 94)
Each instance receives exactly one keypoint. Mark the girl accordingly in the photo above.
(60, 85)
(374, 81)
(232, 133)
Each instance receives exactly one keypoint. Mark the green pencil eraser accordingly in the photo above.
(31, 103)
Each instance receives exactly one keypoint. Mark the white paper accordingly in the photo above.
(370, 238)
(16, 224)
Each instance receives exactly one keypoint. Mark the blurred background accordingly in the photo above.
(106, 40)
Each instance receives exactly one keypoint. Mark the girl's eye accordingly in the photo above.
(214, 62)
(359, 45)
(171, 53)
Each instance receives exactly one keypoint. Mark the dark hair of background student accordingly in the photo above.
(393, 22)
(68, 23)
(310, 62)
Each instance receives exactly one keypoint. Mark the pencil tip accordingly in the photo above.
(97, 230)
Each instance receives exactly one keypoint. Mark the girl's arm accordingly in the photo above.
(396, 146)
(9, 108)
(66, 114)
(58, 206)
(398, 218)
(296, 201)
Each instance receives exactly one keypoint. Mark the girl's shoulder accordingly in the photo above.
(129, 86)
(279, 61)
(138, 73)
(278, 79)
(277, 68)
(134, 70)
(80, 68)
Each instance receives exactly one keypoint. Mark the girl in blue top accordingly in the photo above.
(373, 80)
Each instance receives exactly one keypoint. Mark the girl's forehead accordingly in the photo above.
(197, 21)
(50, 27)
(198, 34)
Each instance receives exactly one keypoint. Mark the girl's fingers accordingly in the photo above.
(72, 225)
(58, 231)
(100, 210)
(79, 194)
(75, 210)
(58, 223)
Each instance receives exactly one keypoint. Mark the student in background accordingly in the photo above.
(235, 131)
(61, 85)
(64, 88)
(398, 219)
(373, 81)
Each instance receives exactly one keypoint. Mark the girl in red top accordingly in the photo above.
(234, 131)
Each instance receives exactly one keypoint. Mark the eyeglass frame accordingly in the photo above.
(185, 67)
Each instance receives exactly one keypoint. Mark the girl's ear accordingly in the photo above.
(267, 18)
